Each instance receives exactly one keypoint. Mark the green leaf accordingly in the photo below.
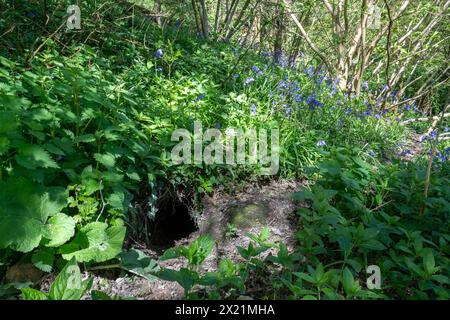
(95, 242)
(68, 284)
(100, 295)
(185, 277)
(4, 145)
(33, 156)
(428, 261)
(441, 279)
(33, 294)
(305, 277)
(25, 207)
(43, 259)
(9, 121)
(139, 263)
(196, 253)
(107, 159)
(116, 200)
(349, 283)
(59, 229)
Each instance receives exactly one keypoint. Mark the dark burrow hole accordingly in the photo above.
(173, 222)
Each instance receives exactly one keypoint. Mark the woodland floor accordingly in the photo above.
(250, 209)
(273, 199)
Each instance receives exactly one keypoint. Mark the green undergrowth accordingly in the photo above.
(86, 123)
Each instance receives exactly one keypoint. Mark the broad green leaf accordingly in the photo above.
(95, 242)
(59, 229)
(25, 207)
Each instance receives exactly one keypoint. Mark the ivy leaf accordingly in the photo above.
(95, 242)
(33, 156)
(25, 207)
(43, 259)
(58, 230)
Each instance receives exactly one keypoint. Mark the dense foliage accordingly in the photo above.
(86, 121)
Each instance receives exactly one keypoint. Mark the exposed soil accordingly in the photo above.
(267, 205)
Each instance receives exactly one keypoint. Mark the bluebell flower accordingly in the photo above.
(298, 98)
(249, 80)
(199, 97)
(159, 53)
(217, 126)
(253, 109)
(372, 153)
(405, 153)
(433, 134)
(321, 143)
(159, 69)
(313, 102)
(365, 85)
(282, 85)
(309, 71)
(443, 157)
(446, 129)
(31, 14)
(287, 109)
(236, 75)
(256, 69)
